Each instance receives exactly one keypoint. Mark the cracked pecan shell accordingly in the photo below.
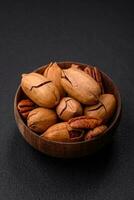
(40, 90)
(53, 72)
(62, 132)
(80, 86)
(68, 108)
(104, 109)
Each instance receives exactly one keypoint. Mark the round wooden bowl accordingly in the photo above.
(69, 150)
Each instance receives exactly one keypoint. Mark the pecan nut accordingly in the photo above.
(62, 132)
(96, 75)
(80, 86)
(68, 108)
(97, 131)
(25, 106)
(84, 122)
(53, 73)
(40, 119)
(40, 90)
(104, 109)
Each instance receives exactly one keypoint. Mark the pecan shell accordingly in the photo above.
(40, 90)
(40, 119)
(53, 73)
(62, 132)
(96, 75)
(104, 109)
(68, 108)
(80, 86)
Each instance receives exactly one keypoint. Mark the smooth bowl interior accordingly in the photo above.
(63, 149)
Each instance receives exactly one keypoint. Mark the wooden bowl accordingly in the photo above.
(70, 150)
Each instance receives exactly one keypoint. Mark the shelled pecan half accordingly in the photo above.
(25, 106)
(84, 122)
(99, 130)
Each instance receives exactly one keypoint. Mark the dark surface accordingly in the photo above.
(35, 33)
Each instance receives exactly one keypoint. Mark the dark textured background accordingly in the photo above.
(34, 33)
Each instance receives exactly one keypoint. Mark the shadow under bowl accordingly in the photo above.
(70, 150)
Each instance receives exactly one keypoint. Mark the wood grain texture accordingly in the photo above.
(70, 150)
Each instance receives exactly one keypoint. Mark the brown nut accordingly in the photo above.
(62, 132)
(40, 119)
(25, 106)
(40, 90)
(96, 75)
(104, 109)
(97, 131)
(84, 122)
(53, 73)
(68, 108)
(80, 86)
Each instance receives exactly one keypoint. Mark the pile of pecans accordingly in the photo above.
(66, 105)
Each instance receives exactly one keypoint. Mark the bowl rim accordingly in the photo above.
(107, 131)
